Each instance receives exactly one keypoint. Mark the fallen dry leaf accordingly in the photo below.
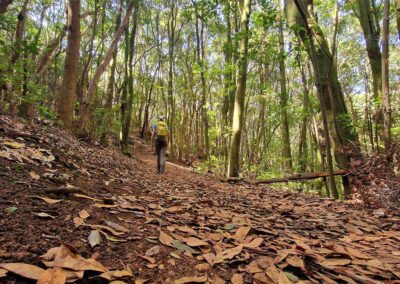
(44, 215)
(115, 274)
(94, 238)
(3, 272)
(242, 232)
(84, 214)
(228, 254)
(78, 221)
(86, 197)
(55, 275)
(166, 239)
(22, 269)
(336, 262)
(254, 243)
(195, 242)
(237, 279)
(109, 229)
(48, 200)
(202, 267)
(34, 175)
(282, 279)
(117, 227)
(194, 279)
(153, 251)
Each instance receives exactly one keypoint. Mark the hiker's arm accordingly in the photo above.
(152, 139)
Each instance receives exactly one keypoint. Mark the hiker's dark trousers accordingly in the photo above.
(161, 150)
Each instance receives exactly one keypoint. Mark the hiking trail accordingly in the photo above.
(102, 216)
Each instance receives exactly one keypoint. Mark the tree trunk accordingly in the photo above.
(4, 5)
(238, 115)
(397, 5)
(331, 96)
(126, 123)
(71, 67)
(387, 121)
(87, 103)
(283, 97)
(367, 16)
(170, 90)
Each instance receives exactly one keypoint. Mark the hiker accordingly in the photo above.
(159, 140)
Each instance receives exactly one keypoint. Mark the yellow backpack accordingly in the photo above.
(161, 129)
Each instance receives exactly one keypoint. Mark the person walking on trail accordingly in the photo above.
(159, 139)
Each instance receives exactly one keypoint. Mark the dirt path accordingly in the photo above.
(181, 224)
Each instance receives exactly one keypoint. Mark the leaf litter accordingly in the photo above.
(185, 223)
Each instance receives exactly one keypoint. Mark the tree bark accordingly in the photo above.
(87, 104)
(367, 16)
(126, 123)
(238, 114)
(387, 121)
(71, 65)
(331, 96)
(397, 5)
(283, 97)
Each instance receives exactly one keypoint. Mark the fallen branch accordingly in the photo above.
(301, 176)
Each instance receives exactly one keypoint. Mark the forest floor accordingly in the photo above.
(181, 227)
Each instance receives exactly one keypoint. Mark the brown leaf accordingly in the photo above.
(336, 262)
(44, 215)
(148, 258)
(48, 200)
(195, 242)
(282, 279)
(242, 232)
(78, 221)
(325, 278)
(209, 257)
(153, 251)
(187, 229)
(273, 273)
(260, 278)
(237, 279)
(94, 238)
(55, 275)
(34, 175)
(117, 227)
(109, 229)
(254, 243)
(111, 275)
(3, 272)
(166, 239)
(22, 269)
(86, 197)
(228, 254)
(358, 254)
(194, 279)
(84, 214)
(202, 267)
(67, 259)
(295, 261)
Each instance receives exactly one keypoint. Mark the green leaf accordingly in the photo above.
(229, 227)
(182, 247)
(11, 210)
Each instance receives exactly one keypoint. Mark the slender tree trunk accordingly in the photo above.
(283, 97)
(126, 123)
(238, 116)
(397, 5)
(331, 96)
(367, 16)
(387, 122)
(170, 90)
(71, 67)
(87, 104)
